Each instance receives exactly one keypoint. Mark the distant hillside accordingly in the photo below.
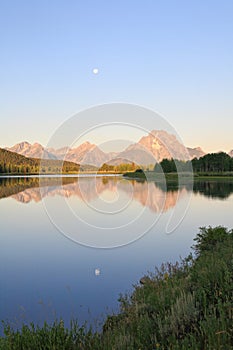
(118, 161)
(11, 162)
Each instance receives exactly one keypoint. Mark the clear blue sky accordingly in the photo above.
(173, 56)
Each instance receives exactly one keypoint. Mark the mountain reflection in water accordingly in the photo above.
(157, 196)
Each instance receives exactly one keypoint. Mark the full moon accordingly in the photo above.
(95, 71)
(97, 272)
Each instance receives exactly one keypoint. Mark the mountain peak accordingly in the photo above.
(32, 151)
(19, 147)
(196, 152)
(23, 144)
(36, 144)
(162, 145)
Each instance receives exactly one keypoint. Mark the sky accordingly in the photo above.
(172, 56)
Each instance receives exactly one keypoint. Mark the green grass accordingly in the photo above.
(51, 337)
(187, 305)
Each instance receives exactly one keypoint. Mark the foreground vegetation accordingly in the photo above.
(187, 305)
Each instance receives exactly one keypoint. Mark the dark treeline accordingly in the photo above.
(210, 163)
(213, 162)
(14, 163)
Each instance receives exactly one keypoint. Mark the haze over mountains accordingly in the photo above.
(157, 145)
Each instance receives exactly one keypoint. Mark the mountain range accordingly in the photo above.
(157, 145)
(154, 146)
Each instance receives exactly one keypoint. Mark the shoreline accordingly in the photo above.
(152, 176)
(83, 174)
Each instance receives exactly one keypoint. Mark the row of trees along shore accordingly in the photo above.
(210, 163)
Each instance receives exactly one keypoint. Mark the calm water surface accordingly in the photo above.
(54, 234)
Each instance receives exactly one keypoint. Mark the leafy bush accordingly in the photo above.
(209, 237)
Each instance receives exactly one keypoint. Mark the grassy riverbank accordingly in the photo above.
(188, 305)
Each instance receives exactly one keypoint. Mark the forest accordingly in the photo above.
(210, 163)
